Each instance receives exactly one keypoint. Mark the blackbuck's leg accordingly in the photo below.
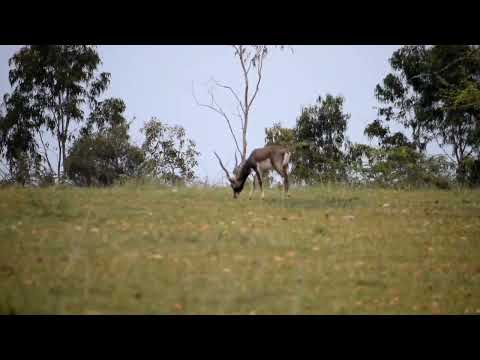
(285, 180)
(283, 172)
(252, 189)
(259, 178)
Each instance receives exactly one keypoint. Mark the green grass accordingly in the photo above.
(326, 250)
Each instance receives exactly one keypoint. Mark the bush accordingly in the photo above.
(398, 167)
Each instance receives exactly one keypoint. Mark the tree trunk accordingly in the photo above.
(59, 161)
(244, 140)
(63, 158)
(65, 137)
(459, 155)
(461, 171)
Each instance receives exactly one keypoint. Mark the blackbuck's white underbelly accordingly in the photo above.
(264, 165)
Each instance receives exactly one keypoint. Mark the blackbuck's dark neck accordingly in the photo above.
(246, 169)
(244, 172)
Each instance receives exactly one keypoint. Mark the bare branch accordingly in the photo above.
(219, 111)
(259, 73)
(249, 56)
(249, 66)
(237, 50)
(232, 91)
(241, 117)
(245, 71)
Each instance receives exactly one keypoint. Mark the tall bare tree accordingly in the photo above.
(251, 60)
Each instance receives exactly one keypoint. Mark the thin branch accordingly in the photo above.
(245, 74)
(219, 111)
(240, 116)
(249, 66)
(231, 90)
(259, 73)
(241, 51)
(237, 50)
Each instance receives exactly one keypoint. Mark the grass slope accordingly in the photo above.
(326, 250)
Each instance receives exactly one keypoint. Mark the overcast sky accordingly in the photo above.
(156, 81)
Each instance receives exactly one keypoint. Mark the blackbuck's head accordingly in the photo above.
(235, 182)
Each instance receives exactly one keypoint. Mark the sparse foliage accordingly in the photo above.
(279, 135)
(397, 166)
(170, 155)
(251, 60)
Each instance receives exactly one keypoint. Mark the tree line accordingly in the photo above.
(54, 127)
(432, 93)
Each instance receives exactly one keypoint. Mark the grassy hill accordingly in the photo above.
(153, 250)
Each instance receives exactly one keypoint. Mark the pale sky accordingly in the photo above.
(156, 81)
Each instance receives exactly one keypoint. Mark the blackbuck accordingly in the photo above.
(271, 157)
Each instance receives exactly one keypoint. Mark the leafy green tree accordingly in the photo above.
(472, 170)
(436, 91)
(103, 153)
(396, 166)
(170, 155)
(320, 136)
(51, 84)
(456, 80)
(397, 161)
(279, 135)
(385, 139)
(18, 149)
(399, 99)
